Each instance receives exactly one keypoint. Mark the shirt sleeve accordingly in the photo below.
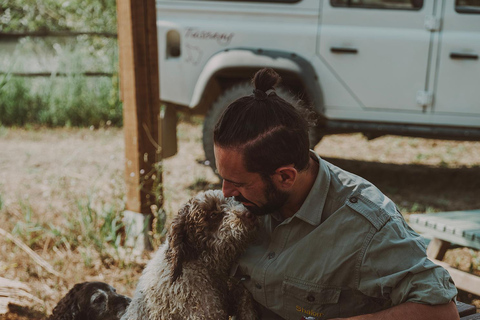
(395, 267)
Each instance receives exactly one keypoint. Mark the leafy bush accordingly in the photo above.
(74, 100)
(61, 101)
(58, 15)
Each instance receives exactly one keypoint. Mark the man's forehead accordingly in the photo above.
(229, 160)
(230, 165)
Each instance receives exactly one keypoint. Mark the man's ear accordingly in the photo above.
(285, 177)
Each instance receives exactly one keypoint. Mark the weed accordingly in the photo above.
(92, 232)
(443, 164)
(421, 156)
(416, 207)
(87, 258)
(200, 184)
(30, 231)
(3, 131)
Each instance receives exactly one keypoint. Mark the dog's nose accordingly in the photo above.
(248, 217)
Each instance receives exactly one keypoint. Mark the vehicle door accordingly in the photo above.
(458, 78)
(378, 49)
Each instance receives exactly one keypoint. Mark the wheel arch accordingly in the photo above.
(235, 65)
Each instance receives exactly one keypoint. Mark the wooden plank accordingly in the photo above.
(457, 227)
(465, 309)
(471, 317)
(139, 76)
(463, 280)
(436, 248)
(473, 235)
(440, 221)
(16, 293)
(447, 236)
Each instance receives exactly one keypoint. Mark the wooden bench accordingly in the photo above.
(467, 311)
(451, 228)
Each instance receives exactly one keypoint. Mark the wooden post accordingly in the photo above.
(139, 78)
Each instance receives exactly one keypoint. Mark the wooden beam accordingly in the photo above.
(437, 248)
(14, 293)
(139, 78)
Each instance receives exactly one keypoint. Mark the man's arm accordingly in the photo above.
(414, 311)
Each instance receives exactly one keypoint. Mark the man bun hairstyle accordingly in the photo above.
(265, 81)
(269, 131)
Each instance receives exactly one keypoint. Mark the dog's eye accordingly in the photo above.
(214, 215)
(99, 299)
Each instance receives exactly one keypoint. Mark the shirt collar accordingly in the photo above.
(312, 208)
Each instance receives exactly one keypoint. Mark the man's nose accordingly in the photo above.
(229, 189)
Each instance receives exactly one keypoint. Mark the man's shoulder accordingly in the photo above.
(361, 196)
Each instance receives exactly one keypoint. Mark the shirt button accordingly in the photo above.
(271, 255)
(353, 199)
(258, 285)
(310, 298)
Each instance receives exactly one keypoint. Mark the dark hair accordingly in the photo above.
(269, 131)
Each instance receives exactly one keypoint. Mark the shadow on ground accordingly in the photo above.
(420, 187)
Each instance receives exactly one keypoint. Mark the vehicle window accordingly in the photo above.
(467, 6)
(379, 4)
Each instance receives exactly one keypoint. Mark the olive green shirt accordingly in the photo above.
(347, 251)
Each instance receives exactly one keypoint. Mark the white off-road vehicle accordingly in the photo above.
(404, 67)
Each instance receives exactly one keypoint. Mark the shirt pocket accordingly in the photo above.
(309, 300)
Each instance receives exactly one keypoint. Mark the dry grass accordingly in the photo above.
(52, 179)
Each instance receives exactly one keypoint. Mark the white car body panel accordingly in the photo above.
(397, 56)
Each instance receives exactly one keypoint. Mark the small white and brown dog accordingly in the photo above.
(188, 278)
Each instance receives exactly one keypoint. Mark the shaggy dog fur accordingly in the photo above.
(91, 301)
(188, 278)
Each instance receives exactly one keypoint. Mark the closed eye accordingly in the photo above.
(235, 184)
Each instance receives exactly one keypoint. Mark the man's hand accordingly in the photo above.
(414, 311)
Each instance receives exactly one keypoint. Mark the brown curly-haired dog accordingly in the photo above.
(189, 276)
(91, 301)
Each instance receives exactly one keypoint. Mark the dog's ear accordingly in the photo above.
(179, 250)
(68, 308)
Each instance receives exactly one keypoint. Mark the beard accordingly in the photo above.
(276, 199)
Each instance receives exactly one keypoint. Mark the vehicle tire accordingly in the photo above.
(227, 97)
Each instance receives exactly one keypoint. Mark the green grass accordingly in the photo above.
(60, 101)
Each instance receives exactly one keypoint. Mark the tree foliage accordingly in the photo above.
(58, 15)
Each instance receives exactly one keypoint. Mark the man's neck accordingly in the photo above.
(301, 189)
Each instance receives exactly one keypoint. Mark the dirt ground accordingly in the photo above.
(47, 175)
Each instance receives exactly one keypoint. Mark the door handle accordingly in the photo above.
(343, 50)
(463, 56)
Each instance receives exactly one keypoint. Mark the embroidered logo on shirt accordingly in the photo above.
(308, 314)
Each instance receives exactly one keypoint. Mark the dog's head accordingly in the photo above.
(210, 227)
(92, 301)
